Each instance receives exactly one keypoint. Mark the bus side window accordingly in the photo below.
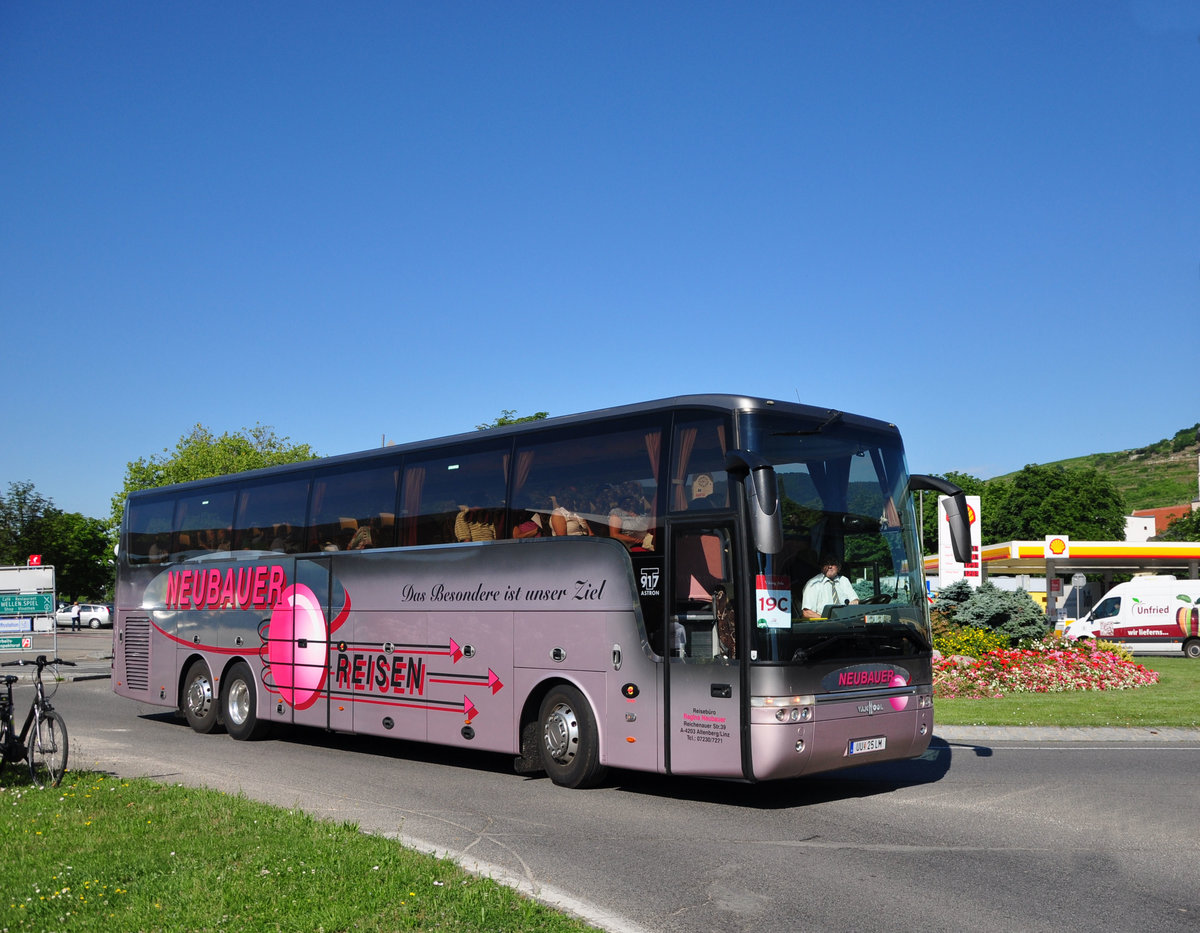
(203, 523)
(149, 537)
(346, 506)
(698, 477)
(436, 490)
(263, 511)
(598, 482)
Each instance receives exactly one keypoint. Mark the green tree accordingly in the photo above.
(1184, 528)
(1042, 500)
(75, 545)
(22, 512)
(971, 485)
(79, 548)
(506, 417)
(1185, 438)
(200, 454)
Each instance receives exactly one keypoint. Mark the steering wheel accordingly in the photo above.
(876, 600)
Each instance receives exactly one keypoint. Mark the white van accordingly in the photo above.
(1150, 613)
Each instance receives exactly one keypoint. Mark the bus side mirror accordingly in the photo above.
(956, 512)
(757, 477)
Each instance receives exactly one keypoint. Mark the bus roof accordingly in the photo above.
(711, 402)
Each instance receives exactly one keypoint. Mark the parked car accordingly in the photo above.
(91, 615)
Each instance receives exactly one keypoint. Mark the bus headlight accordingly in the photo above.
(787, 709)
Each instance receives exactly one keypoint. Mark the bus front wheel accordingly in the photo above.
(1192, 648)
(570, 742)
(239, 704)
(199, 699)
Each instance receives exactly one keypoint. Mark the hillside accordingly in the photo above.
(1151, 477)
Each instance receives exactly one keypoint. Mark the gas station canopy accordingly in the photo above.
(1059, 555)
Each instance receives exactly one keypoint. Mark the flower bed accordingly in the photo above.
(1049, 666)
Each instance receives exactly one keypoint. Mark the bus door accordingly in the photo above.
(704, 684)
(297, 654)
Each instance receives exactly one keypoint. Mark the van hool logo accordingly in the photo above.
(649, 581)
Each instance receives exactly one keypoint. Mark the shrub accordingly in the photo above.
(1113, 648)
(1013, 613)
(972, 642)
(950, 599)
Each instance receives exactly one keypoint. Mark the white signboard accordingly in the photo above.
(773, 596)
(26, 605)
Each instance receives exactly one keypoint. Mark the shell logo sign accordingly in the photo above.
(1058, 546)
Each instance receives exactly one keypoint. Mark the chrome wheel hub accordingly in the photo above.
(561, 733)
(199, 697)
(239, 702)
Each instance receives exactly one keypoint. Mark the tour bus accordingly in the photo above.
(1150, 613)
(619, 589)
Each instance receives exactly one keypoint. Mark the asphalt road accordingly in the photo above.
(1003, 831)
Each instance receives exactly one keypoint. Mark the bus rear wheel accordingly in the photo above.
(199, 698)
(1192, 648)
(569, 739)
(239, 704)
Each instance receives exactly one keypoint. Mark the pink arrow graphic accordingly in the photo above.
(494, 682)
(469, 708)
(456, 652)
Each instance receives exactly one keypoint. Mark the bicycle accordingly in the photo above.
(42, 741)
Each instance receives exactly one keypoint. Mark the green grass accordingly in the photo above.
(101, 853)
(1173, 702)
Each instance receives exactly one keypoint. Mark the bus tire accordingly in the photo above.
(570, 742)
(239, 704)
(199, 699)
(1191, 647)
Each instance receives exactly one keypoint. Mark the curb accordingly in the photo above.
(1145, 734)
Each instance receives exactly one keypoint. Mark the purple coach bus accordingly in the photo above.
(708, 585)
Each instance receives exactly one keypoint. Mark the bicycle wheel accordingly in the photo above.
(48, 750)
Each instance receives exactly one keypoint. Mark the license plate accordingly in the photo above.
(877, 744)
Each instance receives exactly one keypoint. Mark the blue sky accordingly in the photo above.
(980, 221)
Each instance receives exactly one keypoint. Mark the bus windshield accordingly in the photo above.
(848, 578)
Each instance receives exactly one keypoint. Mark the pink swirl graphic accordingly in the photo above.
(297, 646)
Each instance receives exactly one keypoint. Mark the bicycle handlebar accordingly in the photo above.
(41, 661)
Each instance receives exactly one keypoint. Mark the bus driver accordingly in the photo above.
(826, 588)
